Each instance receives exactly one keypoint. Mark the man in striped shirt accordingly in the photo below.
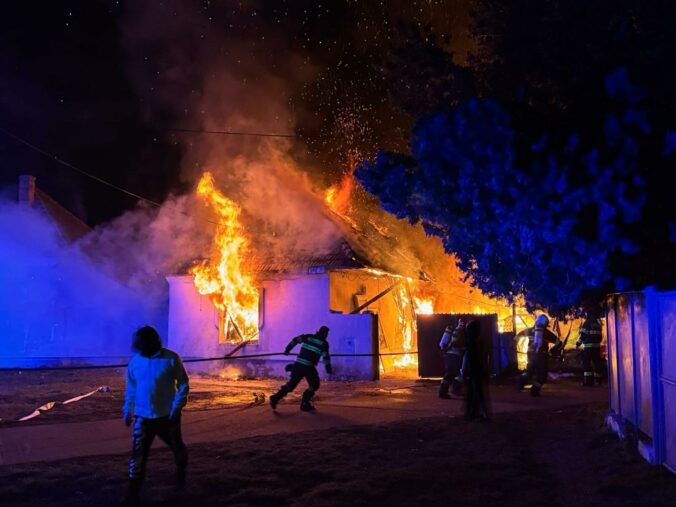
(313, 348)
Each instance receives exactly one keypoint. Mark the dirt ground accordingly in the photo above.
(22, 391)
(533, 458)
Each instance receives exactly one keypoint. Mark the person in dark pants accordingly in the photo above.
(590, 341)
(475, 370)
(539, 338)
(156, 392)
(452, 346)
(313, 348)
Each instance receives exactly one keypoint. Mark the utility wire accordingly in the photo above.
(77, 169)
(232, 133)
(94, 177)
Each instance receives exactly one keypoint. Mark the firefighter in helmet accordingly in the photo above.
(313, 348)
(590, 341)
(539, 338)
(452, 346)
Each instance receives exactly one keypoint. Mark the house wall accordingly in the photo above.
(57, 306)
(53, 316)
(291, 306)
(395, 316)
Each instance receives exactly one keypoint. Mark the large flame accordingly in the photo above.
(337, 197)
(407, 323)
(423, 306)
(222, 278)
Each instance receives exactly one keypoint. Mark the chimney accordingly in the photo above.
(27, 189)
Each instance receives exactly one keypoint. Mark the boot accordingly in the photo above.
(133, 497)
(521, 384)
(274, 400)
(588, 379)
(443, 390)
(180, 478)
(535, 390)
(305, 404)
(458, 386)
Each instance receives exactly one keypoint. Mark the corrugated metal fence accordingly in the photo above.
(641, 331)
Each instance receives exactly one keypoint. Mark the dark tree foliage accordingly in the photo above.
(555, 181)
(421, 74)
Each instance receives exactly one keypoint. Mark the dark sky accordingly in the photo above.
(99, 83)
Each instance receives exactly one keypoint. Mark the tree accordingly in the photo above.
(553, 181)
(548, 229)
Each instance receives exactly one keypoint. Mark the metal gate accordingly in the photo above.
(431, 328)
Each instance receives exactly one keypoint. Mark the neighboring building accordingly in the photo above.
(56, 306)
(70, 227)
(641, 331)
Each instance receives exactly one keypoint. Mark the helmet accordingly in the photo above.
(542, 321)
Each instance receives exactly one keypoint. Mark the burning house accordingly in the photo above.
(368, 288)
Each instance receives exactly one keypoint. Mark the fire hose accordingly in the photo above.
(51, 404)
(198, 360)
(258, 399)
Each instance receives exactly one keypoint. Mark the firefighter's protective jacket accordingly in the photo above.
(311, 351)
(453, 341)
(590, 334)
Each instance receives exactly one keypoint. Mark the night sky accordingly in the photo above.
(101, 83)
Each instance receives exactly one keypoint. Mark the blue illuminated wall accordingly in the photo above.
(56, 304)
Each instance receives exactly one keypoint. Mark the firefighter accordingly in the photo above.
(539, 338)
(313, 347)
(452, 346)
(590, 341)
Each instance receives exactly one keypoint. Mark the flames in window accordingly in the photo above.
(222, 278)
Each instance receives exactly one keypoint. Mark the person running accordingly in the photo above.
(156, 392)
(313, 348)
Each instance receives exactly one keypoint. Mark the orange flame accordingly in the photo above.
(222, 278)
(407, 324)
(423, 306)
(337, 197)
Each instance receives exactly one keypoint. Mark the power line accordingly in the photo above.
(94, 177)
(81, 171)
(234, 133)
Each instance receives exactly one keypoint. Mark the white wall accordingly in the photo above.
(291, 306)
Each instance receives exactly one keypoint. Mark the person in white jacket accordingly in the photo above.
(157, 390)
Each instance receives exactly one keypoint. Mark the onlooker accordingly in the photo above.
(157, 391)
(475, 369)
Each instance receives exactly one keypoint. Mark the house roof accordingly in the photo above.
(70, 227)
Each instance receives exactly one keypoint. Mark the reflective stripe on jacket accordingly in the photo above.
(590, 334)
(311, 351)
